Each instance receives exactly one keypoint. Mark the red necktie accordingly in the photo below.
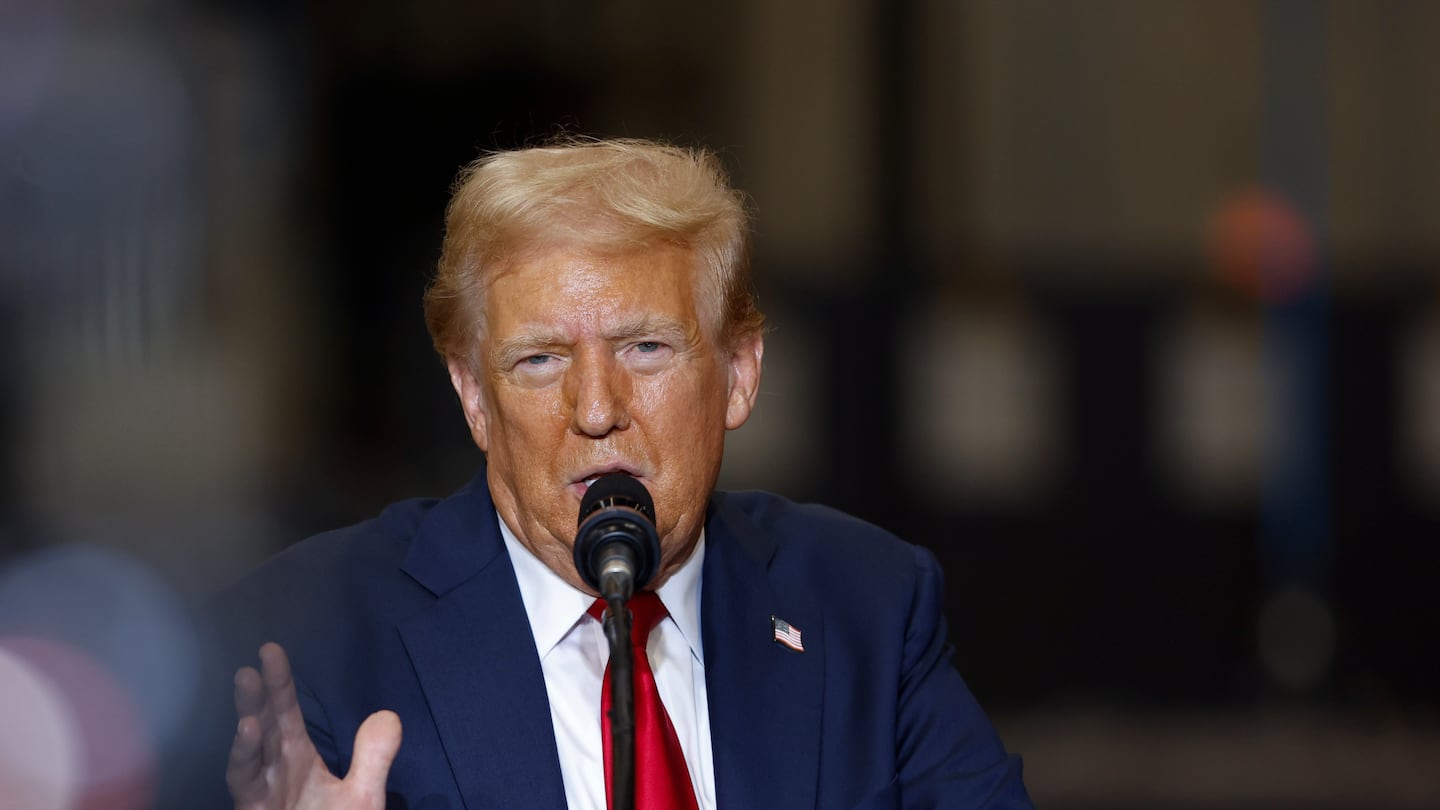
(662, 782)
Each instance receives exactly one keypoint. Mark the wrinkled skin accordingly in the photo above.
(591, 364)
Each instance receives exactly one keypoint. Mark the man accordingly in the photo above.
(593, 306)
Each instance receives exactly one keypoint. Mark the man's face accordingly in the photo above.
(591, 364)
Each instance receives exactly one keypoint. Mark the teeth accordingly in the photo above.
(592, 479)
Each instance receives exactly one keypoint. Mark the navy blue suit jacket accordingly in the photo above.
(418, 611)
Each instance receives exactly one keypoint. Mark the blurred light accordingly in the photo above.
(115, 641)
(1259, 244)
(39, 742)
(981, 418)
(1419, 422)
(1296, 637)
(99, 721)
(1212, 417)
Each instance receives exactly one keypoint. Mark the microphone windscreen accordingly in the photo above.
(617, 489)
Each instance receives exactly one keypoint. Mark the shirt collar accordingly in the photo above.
(554, 606)
(681, 595)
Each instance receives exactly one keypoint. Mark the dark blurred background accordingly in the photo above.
(1128, 309)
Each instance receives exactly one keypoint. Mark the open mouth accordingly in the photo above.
(589, 480)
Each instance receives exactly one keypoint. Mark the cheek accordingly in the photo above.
(690, 398)
(684, 418)
(524, 427)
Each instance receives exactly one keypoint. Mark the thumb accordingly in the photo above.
(376, 743)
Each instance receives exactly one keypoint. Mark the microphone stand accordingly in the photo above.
(616, 551)
(622, 704)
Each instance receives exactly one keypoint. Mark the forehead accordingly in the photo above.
(571, 288)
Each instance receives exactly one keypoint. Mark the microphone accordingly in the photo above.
(616, 552)
(617, 549)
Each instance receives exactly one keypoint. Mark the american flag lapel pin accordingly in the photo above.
(787, 634)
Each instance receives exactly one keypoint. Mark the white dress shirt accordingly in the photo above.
(573, 654)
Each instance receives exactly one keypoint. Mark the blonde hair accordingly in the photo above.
(602, 196)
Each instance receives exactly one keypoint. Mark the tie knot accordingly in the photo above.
(646, 611)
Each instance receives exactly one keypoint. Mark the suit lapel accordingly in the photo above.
(474, 655)
(765, 699)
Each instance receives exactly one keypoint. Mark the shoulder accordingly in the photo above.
(342, 556)
(332, 589)
(826, 544)
(807, 527)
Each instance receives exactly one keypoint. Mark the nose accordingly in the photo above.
(599, 393)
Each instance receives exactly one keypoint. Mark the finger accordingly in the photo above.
(249, 692)
(244, 772)
(376, 744)
(282, 725)
(280, 690)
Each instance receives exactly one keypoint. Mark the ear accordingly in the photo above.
(745, 363)
(472, 401)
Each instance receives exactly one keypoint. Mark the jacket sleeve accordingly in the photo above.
(949, 754)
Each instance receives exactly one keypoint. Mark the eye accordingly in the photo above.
(536, 370)
(649, 356)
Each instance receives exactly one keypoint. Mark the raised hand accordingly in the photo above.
(274, 764)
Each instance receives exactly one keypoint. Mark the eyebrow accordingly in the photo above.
(511, 349)
(651, 326)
